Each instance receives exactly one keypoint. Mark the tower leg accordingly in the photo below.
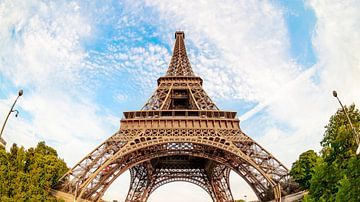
(277, 193)
(212, 192)
(219, 180)
(140, 183)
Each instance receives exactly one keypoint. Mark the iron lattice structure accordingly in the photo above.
(179, 135)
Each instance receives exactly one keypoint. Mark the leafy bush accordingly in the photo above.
(28, 175)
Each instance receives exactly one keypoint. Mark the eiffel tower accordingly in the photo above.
(179, 135)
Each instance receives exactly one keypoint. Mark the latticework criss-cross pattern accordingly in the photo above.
(177, 77)
(179, 135)
(179, 64)
(163, 96)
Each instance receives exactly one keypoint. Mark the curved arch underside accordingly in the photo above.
(207, 161)
(148, 176)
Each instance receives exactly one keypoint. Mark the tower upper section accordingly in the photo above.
(179, 64)
(179, 89)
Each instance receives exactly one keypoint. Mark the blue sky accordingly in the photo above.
(82, 63)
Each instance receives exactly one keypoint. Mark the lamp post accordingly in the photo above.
(2, 141)
(355, 134)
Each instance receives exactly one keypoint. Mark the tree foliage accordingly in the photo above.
(303, 169)
(336, 175)
(28, 175)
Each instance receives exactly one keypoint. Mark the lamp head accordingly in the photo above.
(334, 93)
(21, 92)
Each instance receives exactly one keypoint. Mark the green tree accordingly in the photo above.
(302, 170)
(28, 175)
(337, 175)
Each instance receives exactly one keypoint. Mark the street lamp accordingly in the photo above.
(352, 127)
(2, 141)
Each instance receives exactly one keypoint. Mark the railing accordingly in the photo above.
(178, 113)
(180, 78)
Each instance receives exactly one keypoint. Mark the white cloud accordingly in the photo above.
(148, 64)
(308, 104)
(41, 50)
(40, 42)
(59, 120)
(248, 58)
(337, 42)
(16, 128)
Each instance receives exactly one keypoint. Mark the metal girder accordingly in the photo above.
(219, 178)
(158, 99)
(195, 176)
(198, 98)
(141, 181)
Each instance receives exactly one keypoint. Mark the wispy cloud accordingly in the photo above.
(240, 48)
(336, 41)
(41, 51)
(40, 41)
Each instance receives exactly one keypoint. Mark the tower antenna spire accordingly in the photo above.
(179, 64)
